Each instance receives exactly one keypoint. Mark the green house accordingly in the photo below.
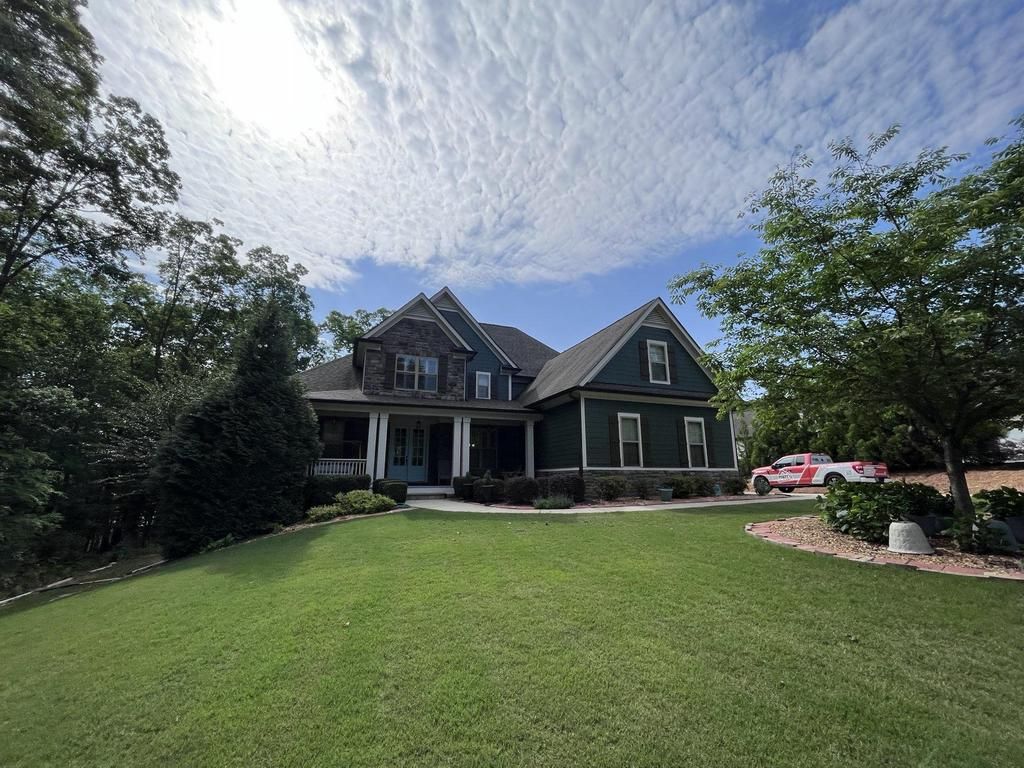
(431, 394)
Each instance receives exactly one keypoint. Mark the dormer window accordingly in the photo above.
(416, 373)
(657, 362)
(483, 385)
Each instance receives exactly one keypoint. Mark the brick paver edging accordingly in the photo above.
(911, 562)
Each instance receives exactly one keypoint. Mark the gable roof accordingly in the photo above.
(445, 299)
(579, 364)
(529, 353)
(570, 368)
(421, 308)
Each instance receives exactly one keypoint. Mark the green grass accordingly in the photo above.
(658, 638)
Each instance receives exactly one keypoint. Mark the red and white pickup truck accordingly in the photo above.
(806, 470)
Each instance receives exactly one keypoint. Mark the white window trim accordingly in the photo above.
(476, 389)
(416, 375)
(639, 441)
(650, 366)
(703, 436)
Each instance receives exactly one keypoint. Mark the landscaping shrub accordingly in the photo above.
(642, 488)
(499, 489)
(734, 486)
(364, 503)
(865, 510)
(396, 490)
(1000, 503)
(610, 488)
(483, 489)
(553, 502)
(323, 489)
(567, 485)
(686, 486)
(463, 486)
(522, 490)
(324, 512)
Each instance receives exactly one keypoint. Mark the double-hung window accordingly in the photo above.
(415, 372)
(657, 362)
(696, 443)
(630, 453)
(483, 385)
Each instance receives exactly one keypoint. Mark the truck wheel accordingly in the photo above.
(761, 486)
(833, 480)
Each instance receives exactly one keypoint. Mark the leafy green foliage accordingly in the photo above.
(343, 329)
(553, 502)
(734, 486)
(324, 512)
(891, 288)
(521, 489)
(686, 486)
(865, 510)
(396, 490)
(1000, 503)
(569, 485)
(238, 461)
(365, 503)
(323, 489)
(611, 488)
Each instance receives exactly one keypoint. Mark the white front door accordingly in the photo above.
(407, 454)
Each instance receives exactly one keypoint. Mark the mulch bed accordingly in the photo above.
(625, 502)
(810, 534)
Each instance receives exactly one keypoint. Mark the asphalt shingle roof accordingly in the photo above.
(527, 352)
(566, 371)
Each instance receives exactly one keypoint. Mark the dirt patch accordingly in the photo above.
(811, 534)
(978, 479)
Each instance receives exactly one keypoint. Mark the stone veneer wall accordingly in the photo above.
(415, 337)
(654, 478)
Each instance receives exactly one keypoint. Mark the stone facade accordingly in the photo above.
(415, 337)
(653, 478)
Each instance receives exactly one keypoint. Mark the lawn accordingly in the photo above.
(654, 638)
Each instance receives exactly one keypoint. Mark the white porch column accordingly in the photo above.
(529, 449)
(371, 446)
(465, 444)
(457, 447)
(382, 448)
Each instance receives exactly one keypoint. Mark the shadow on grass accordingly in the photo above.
(269, 558)
(421, 515)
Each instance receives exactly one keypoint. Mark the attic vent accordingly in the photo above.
(445, 302)
(659, 318)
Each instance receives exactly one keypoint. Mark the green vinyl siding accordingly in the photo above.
(557, 437)
(483, 360)
(662, 446)
(627, 368)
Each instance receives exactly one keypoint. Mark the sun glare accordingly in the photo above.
(260, 70)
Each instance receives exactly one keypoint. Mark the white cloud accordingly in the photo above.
(532, 141)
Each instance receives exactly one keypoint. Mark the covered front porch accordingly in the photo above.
(424, 448)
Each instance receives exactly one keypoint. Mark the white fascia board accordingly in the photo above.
(446, 292)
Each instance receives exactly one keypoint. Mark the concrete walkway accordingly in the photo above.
(453, 505)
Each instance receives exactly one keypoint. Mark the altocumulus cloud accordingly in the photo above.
(528, 141)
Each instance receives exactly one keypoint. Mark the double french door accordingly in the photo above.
(407, 453)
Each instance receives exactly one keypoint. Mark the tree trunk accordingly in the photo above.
(952, 454)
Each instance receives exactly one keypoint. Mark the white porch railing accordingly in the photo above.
(338, 467)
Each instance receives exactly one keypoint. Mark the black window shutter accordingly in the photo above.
(442, 375)
(645, 441)
(673, 371)
(613, 440)
(644, 368)
(389, 371)
(471, 389)
(684, 459)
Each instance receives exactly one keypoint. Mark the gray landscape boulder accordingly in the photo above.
(907, 538)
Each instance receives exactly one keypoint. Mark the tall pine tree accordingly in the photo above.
(236, 463)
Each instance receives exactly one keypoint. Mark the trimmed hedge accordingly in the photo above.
(463, 486)
(324, 512)
(364, 502)
(553, 502)
(687, 486)
(611, 488)
(521, 489)
(865, 510)
(566, 485)
(322, 489)
(734, 486)
(397, 490)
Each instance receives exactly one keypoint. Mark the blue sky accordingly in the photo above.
(554, 163)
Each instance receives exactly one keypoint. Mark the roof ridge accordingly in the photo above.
(605, 328)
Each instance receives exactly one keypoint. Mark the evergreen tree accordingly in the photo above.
(236, 463)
